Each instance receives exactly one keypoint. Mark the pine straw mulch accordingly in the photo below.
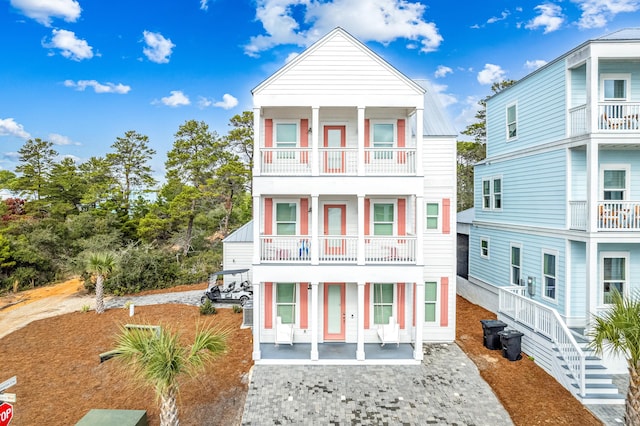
(60, 377)
(528, 393)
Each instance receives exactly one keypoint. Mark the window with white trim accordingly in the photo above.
(614, 182)
(613, 266)
(516, 264)
(433, 215)
(549, 277)
(286, 137)
(286, 302)
(484, 247)
(286, 214)
(383, 218)
(383, 135)
(492, 193)
(382, 302)
(614, 87)
(512, 121)
(430, 301)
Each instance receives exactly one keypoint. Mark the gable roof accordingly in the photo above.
(623, 34)
(244, 234)
(338, 33)
(436, 121)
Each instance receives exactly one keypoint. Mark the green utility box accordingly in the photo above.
(97, 417)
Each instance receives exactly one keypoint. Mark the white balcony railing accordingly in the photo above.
(299, 249)
(338, 161)
(578, 120)
(619, 117)
(578, 211)
(618, 215)
(546, 322)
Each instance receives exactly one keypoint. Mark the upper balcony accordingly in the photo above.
(614, 118)
(615, 216)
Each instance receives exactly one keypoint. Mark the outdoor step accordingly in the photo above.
(603, 399)
(589, 359)
(596, 378)
(599, 388)
(590, 367)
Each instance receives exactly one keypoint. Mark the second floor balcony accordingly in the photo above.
(622, 117)
(338, 161)
(610, 215)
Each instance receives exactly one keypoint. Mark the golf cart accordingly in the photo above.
(238, 291)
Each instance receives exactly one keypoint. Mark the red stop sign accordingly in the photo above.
(6, 413)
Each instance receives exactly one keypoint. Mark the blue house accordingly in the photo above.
(557, 206)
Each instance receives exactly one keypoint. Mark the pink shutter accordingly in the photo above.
(304, 306)
(367, 303)
(401, 305)
(402, 216)
(268, 305)
(367, 218)
(401, 131)
(304, 216)
(444, 301)
(268, 140)
(446, 215)
(268, 216)
(304, 140)
(367, 142)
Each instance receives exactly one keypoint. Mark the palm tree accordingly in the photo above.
(618, 332)
(158, 359)
(101, 265)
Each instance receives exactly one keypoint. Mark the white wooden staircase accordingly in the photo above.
(559, 351)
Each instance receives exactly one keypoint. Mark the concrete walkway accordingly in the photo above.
(445, 389)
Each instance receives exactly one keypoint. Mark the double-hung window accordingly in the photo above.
(286, 302)
(383, 136)
(549, 275)
(382, 302)
(484, 247)
(512, 121)
(286, 218)
(492, 193)
(614, 275)
(614, 183)
(516, 261)
(286, 137)
(383, 218)
(430, 301)
(432, 216)
(614, 87)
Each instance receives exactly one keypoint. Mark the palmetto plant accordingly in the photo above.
(618, 331)
(101, 265)
(158, 358)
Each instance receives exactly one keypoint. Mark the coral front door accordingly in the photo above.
(334, 311)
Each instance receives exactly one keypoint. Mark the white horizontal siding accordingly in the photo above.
(439, 161)
(237, 256)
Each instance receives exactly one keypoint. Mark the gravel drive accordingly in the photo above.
(185, 297)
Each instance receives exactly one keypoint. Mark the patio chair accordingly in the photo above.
(390, 333)
(284, 333)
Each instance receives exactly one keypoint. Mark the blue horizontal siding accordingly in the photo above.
(534, 190)
(625, 157)
(542, 107)
(624, 67)
(578, 277)
(496, 269)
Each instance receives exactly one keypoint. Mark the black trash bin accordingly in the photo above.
(511, 341)
(491, 328)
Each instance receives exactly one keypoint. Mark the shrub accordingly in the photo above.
(207, 308)
(236, 309)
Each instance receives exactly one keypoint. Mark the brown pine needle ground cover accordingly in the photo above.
(60, 377)
(528, 393)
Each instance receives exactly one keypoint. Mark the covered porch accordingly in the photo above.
(337, 354)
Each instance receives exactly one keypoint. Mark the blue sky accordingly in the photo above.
(81, 73)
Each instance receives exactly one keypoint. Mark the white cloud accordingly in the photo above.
(442, 71)
(57, 139)
(176, 99)
(446, 99)
(9, 127)
(495, 19)
(71, 47)
(491, 74)
(81, 85)
(467, 115)
(551, 18)
(204, 4)
(158, 48)
(43, 10)
(596, 13)
(534, 65)
(381, 20)
(291, 57)
(227, 102)
(204, 102)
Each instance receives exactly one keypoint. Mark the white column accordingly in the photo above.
(593, 286)
(257, 219)
(257, 161)
(257, 324)
(419, 298)
(314, 321)
(360, 356)
(419, 141)
(361, 220)
(360, 141)
(592, 186)
(315, 141)
(420, 217)
(592, 94)
(315, 224)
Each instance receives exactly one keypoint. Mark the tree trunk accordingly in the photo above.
(99, 294)
(192, 216)
(169, 408)
(632, 404)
